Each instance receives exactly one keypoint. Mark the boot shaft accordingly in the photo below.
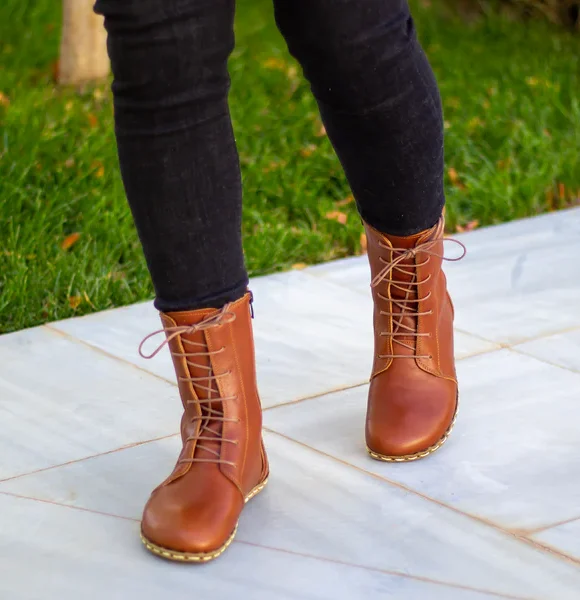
(413, 314)
(213, 355)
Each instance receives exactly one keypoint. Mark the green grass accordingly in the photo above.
(513, 132)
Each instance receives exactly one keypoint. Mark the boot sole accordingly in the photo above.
(417, 455)
(199, 557)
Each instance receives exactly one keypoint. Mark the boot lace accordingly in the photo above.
(409, 304)
(208, 411)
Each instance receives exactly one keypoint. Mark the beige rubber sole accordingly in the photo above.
(200, 557)
(417, 455)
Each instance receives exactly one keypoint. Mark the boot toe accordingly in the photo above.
(410, 425)
(190, 525)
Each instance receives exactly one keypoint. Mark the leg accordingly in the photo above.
(181, 173)
(379, 102)
(381, 107)
(176, 146)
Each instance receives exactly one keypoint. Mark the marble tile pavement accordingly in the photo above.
(87, 429)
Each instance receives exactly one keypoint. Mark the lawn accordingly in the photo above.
(68, 246)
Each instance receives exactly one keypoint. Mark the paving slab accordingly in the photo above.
(61, 401)
(88, 428)
(513, 457)
(317, 507)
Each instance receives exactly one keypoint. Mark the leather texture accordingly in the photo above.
(223, 460)
(413, 390)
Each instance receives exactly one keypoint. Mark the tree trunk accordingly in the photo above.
(83, 51)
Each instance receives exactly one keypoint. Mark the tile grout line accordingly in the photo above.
(387, 571)
(285, 551)
(535, 531)
(498, 346)
(510, 345)
(523, 535)
(547, 335)
(268, 408)
(83, 458)
(318, 395)
(548, 549)
(62, 505)
(546, 362)
(100, 350)
(124, 361)
(492, 524)
(366, 382)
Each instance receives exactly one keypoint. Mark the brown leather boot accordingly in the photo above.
(193, 515)
(413, 391)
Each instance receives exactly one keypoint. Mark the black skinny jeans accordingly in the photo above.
(377, 96)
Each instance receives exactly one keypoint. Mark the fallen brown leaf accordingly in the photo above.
(274, 63)
(54, 69)
(98, 167)
(307, 150)
(4, 100)
(455, 179)
(274, 165)
(550, 199)
(336, 215)
(70, 240)
(474, 123)
(292, 72)
(74, 302)
(92, 119)
(344, 202)
(321, 132)
(470, 226)
(299, 266)
(561, 192)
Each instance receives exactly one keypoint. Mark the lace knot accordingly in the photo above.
(220, 318)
